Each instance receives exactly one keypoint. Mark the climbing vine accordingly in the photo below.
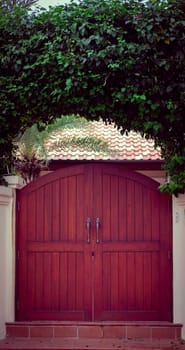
(122, 61)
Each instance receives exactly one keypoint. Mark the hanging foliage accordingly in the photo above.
(123, 61)
(9, 5)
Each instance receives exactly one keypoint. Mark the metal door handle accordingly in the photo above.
(88, 225)
(97, 230)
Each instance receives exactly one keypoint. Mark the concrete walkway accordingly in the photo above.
(91, 344)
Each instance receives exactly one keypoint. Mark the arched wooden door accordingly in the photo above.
(94, 243)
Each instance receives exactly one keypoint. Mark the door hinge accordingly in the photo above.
(18, 205)
(18, 305)
(169, 254)
(18, 254)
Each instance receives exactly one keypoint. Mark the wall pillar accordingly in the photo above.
(179, 260)
(7, 257)
(7, 251)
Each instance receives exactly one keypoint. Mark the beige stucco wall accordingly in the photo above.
(7, 264)
(157, 175)
(179, 260)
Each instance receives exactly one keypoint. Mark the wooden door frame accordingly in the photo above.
(56, 175)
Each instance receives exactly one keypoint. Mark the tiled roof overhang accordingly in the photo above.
(119, 147)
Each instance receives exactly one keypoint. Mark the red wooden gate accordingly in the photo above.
(94, 243)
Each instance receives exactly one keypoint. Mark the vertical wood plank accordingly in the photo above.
(147, 281)
(139, 209)
(80, 285)
(114, 200)
(106, 281)
(47, 212)
(31, 287)
(155, 281)
(139, 281)
(131, 281)
(72, 203)
(80, 209)
(147, 214)
(123, 286)
(122, 210)
(47, 282)
(106, 208)
(155, 217)
(89, 287)
(130, 210)
(71, 286)
(39, 281)
(114, 281)
(63, 281)
(31, 207)
(56, 209)
(64, 202)
(55, 274)
(40, 214)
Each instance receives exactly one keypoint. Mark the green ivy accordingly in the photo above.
(122, 61)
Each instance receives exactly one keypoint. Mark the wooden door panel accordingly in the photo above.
(132, 214)
(133, 252)
(55, 282)
(54, 259)
(128, 282)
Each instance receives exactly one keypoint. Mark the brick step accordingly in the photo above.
(88, 343)
(98, 330)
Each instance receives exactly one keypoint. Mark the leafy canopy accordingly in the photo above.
(123, 61)
(9, 5)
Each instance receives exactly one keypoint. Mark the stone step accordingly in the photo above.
(92, 335)
(97, 330)
(88, 343)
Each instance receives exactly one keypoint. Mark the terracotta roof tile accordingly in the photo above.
(65, 144)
